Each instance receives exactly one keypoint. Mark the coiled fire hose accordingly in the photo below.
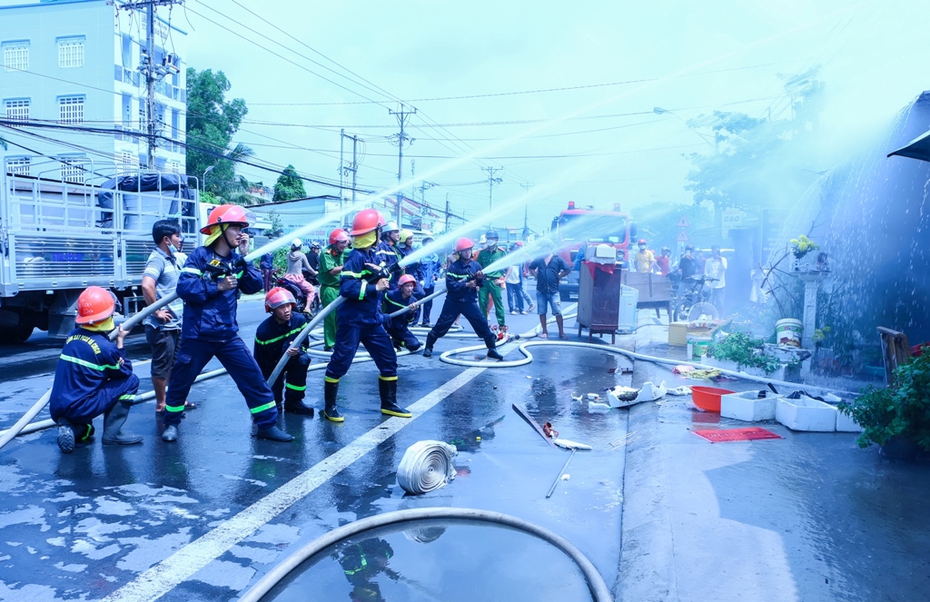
(426, 465)
(599, 590)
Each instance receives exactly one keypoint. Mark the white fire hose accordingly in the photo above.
(426, 465)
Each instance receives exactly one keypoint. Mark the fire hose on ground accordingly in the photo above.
(599, 590)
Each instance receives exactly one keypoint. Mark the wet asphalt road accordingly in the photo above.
(806, 517)
(84, 525)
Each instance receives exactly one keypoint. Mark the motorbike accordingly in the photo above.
(687, 294)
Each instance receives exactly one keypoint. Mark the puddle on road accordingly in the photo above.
(453, 561)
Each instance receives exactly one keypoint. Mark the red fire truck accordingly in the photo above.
(574, 226)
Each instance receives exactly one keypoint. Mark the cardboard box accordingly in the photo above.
(678, 334)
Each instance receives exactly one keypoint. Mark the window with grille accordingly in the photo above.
(16, 55)
(19, 166)
(73, 169)
(128, 163)
(17, 109)
(71, 109)
(71, 52)
(174, 166)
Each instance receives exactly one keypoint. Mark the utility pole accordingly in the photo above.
(403, 115)
(526, 229)
(491, 182)
(153, 73)
(344, 169)
(447, 212)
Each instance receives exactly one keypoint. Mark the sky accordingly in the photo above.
(556, 96)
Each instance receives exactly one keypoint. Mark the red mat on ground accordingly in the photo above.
(745, 434)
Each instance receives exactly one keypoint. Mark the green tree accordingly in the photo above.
(289, 185)
(212, 121)
(759, 162)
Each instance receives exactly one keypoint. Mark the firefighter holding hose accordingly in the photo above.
(363, 281)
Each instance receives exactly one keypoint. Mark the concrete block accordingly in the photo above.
(806, 414)
(747, 406)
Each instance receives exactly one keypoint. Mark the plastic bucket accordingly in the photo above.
(697, 346)
(788, 332)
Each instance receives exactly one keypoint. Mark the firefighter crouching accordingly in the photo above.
(362, 283)
(463, 279)
(93, 377)
(397, 327)
(272, 340)
(208, 284)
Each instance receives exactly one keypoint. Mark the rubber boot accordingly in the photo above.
(113, 421)
(430, 341)
(273, 433)
(296, 406)
(171, 433)
(493, 354)
(65, 436)
(388, 391)
(329, 394)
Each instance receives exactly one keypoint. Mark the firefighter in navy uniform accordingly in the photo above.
(388, 253)
(272, 340)
(361, 563)
(93, 377)
(363, 281)
(397, 327)
(209, 285)
(463, 279)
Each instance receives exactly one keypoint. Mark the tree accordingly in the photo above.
(759, 162)
(289, 185)
(212, 121)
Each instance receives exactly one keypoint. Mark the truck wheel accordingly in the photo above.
(15, 335)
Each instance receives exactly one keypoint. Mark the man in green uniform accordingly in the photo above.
(331, 261)
(494, 280)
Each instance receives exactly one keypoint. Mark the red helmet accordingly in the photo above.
(642, 241)
(365, 221)
(405, 279)
(463, 244)
(94, 305)
(277, 297)
(338, 235)
(226, 214)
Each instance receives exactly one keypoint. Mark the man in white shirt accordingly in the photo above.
(716, 268)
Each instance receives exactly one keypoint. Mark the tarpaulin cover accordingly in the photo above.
(147, 182)
(742, 434)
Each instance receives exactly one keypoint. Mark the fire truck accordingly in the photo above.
(576, 226)
(58, 237)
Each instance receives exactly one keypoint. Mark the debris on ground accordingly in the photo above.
(682, 390)
(549, 431)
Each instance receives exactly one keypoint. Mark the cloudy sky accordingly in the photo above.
(559, 95)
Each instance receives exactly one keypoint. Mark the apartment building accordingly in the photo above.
(74, 67)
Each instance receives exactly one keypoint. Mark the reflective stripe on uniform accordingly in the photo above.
(386, 377)
(459, 276)
(194, 271)
(276, 339)
(267, 406)
(171, 408)
(295, 387)
(391, 301)
(86, 364)
(330, 379)
(127, 397)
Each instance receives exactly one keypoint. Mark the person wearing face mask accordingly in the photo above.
(163, 327)
(644, 260)
(209, 284)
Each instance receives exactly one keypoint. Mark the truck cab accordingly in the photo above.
(575, 227)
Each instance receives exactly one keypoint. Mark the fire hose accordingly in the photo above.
(599, 590)
(426, 465)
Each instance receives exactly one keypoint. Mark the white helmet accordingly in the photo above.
(297, 243)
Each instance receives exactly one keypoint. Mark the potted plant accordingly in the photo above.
(896, 417)
(744, 352)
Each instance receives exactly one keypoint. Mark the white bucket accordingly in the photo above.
(788, 332)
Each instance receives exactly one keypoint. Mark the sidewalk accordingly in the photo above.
(807, 517)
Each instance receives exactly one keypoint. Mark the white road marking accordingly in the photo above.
(170, 572)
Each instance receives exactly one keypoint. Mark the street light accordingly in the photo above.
(205, 172)
(661, 111)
